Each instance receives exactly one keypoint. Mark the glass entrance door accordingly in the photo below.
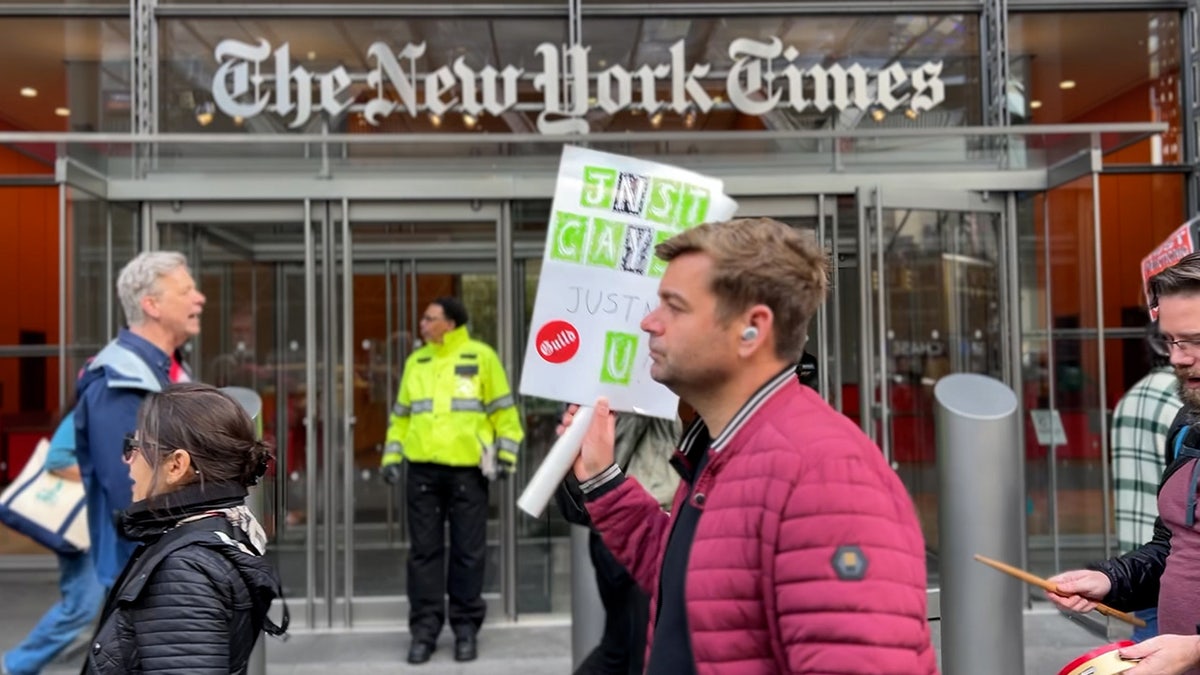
(314, 305)
(931, 277)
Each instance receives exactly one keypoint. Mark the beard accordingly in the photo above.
(1189, 395)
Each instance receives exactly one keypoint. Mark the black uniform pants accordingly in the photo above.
(435, 493)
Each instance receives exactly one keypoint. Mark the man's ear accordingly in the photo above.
(149, 305)
(756, 323)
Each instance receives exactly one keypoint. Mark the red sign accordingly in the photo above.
(557, 342)
(1181, 242)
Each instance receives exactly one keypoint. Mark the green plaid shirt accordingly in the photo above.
(1139, 438)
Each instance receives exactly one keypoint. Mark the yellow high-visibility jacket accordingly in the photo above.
(454, 404)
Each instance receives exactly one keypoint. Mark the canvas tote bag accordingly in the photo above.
(46, 508)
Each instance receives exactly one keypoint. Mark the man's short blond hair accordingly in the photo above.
(761, 261)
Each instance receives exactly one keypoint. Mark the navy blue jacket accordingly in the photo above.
(110, 391)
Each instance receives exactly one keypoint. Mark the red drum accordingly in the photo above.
(1102, 661)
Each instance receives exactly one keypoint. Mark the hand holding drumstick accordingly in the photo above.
(1077, 590)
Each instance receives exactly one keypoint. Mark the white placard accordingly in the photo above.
(600, 277)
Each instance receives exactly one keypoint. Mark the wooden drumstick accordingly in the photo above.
(1041, 583)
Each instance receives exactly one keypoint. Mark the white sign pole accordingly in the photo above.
(557, 464)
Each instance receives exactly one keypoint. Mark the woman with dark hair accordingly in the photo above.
(195, 595)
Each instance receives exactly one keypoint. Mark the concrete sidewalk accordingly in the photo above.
(536, 646)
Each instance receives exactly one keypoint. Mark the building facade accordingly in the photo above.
(987, 176)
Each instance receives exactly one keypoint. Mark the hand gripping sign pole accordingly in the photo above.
(556, 466)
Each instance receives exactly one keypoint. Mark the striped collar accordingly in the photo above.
(750, 407)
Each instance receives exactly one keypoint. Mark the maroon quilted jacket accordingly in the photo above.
(789, 484)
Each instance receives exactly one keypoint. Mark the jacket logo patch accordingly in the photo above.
(849, 563)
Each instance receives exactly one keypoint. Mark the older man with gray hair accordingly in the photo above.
(162, 308)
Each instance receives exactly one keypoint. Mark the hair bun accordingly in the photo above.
(259, 462)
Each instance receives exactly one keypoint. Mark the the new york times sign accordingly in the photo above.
(253, 79)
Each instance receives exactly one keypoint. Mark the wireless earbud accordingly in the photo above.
(750, 333)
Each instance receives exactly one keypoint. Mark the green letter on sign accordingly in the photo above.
(608, 238)
(570, 233)
(657, 264)
(694, 206)
(598, 185)
(664, 201)
(619, 351)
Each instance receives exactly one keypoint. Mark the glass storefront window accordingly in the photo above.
(74, 74)
(1096, 67)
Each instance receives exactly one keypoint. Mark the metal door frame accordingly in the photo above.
(327, 256)
(873, 349)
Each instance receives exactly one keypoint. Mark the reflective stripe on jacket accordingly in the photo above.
(454, 403)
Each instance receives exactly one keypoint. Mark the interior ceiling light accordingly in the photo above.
(1034, 105)
(62, 112)
(312, 56)
(28, 92)
(435, 120)
(689, 120)
(878, 114)
(204, 113)
(656, 120)
(1066, 84)
(910, 113)
(470, 120)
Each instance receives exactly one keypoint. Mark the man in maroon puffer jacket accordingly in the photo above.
(792, 547)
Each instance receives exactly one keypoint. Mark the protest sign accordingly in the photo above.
(600, 277)
(1183, 240)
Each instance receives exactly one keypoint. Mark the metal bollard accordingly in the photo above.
(252, 403)
(587, 612)
(979, 511)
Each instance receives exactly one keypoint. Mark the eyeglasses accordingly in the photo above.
(1162, 345)
(134, 444)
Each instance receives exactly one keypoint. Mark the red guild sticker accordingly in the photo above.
(557, 342)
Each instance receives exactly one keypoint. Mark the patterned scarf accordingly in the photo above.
(241, 519)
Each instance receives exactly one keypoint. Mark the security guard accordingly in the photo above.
(455, 424)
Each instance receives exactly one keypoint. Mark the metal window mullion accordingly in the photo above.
(838, 378)
(885, 412)
(506, 285)
(1011, 330)
(310, 421)
(1101, 367)
(389, 385)
(283, 467)
(348, 415)
(865, 331)
(62, 297)
(822, 312)
(328, 405)
(1052, 449)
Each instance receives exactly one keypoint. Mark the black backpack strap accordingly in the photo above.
(1189, 449)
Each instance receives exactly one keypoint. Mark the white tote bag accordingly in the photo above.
(49, 509)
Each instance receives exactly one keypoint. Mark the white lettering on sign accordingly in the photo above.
(242, 88)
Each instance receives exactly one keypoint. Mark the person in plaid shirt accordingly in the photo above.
(1139, 441)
